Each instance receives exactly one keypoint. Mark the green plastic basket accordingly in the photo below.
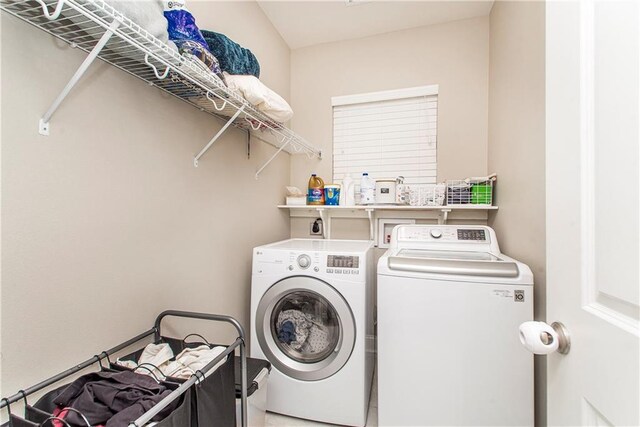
(481, 194)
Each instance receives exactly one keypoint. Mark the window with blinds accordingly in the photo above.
(387, 134)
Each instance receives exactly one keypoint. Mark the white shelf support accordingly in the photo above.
(216, 136)
(325, 216)
(155, 70)
(442, 217)
(273, 157)
(43, 125)
(372, 228)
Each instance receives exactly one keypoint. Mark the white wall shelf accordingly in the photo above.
(326, 212)
(102, 32)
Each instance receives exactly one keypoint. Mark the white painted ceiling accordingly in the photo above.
(306, 23)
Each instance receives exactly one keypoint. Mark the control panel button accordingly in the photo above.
(304, 261)
(436, 234)
(316, 269)
(291, 268)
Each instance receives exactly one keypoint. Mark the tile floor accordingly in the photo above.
(277, 420)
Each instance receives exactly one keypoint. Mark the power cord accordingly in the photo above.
(317, 225)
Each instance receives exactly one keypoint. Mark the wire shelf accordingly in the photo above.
(82, 23)
(474, 191)
(421, 194)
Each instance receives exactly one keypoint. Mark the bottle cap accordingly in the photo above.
(313, 174)
(365, 174)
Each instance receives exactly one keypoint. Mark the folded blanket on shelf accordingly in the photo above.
(260, 96)
(184, 32)
(234, 59)
(149, 14)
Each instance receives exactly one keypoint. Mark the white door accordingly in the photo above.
(592, 210)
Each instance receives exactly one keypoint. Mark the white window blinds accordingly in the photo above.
(386, 134)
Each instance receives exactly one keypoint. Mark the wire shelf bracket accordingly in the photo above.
(273, 157)
(43, 125)
(217, 135)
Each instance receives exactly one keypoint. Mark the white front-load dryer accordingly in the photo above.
(312, 318)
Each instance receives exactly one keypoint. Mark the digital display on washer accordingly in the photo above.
(471, 235)
(342, 261)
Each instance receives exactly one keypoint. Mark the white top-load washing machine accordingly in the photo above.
(449, 308)
(312, 318)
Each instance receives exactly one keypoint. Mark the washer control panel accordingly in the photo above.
(476, 238)
(448, 234)
(471, 234)
(343, 264)
(349, 265)
(329, 263)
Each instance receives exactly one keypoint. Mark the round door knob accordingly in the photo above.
(436, 234)
(304, 261)
(540, 338)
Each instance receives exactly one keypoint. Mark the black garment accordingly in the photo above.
(114, 399)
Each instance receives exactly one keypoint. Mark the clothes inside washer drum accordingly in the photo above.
(301, 326)
(301, 332)
(318, 338)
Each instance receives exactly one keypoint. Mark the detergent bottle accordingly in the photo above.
(348, 195)
(315, 194)
(367, 190)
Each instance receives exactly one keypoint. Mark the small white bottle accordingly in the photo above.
(367, 190)
(349, 191)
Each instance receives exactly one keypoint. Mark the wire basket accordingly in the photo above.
(471, 191)
(421, 194)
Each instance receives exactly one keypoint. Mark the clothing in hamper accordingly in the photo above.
(260, 96)
(184, 32)
(113, 398)
(233, 58)
(45, 407)
(191, 360)
(153, 355)
(158, 359)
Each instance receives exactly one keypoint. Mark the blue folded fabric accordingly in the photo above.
(233, 58)
(287, 332)
(184, 32)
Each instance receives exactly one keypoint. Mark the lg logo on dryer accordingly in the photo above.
(518, 296)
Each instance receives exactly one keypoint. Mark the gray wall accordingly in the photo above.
(106, 222)
(517, 145)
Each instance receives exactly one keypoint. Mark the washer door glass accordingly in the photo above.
(305, 328)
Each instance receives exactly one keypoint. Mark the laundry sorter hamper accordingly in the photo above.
(213, 399)
(206, 399)
(257, 389)
(214, 408)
